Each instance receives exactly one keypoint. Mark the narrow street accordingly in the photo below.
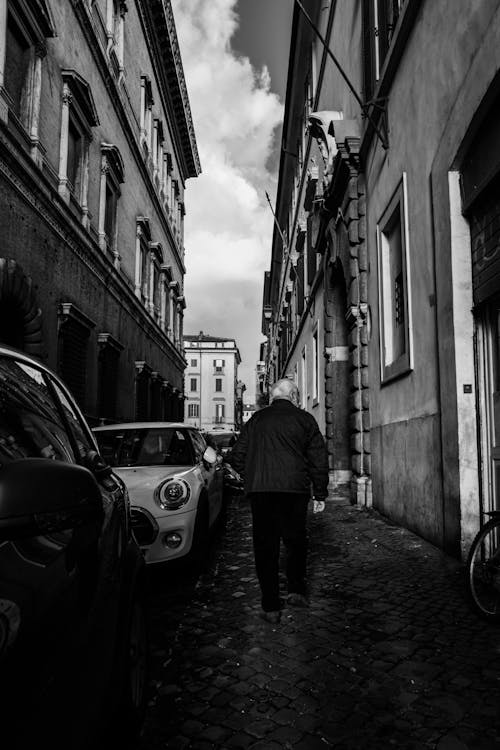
(387, 655)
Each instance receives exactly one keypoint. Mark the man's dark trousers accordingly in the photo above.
(276, 516)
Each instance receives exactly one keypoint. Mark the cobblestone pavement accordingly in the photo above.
(387, 655)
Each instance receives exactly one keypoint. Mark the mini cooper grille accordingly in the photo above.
(144, 526)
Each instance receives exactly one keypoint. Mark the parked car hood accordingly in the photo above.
(143, 478)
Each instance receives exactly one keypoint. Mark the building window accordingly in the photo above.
(218, 384)
(142, 391)
(146, 114)
(157, 155)
(107, 376)
(142, 260)
(75, 154)
(155, 280)
(193, 384)
(112, 176)
(78, 117)
(115, 31)
(17, 64)
(194, 363)
(382, 20)
(312, 257)
(219, 413)
(219, 365)
(393, 272)
(193, 410)
(74, 332)
(28, 25)
(315, 366)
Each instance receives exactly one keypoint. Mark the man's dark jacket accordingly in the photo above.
(280, 449)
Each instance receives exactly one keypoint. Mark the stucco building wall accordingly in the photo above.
(200, 406)
(426, 413)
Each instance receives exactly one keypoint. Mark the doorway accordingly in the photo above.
(488, 361)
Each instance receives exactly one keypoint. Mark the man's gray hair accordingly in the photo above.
(286, 389)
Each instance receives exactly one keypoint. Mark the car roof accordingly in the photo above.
(18, 354)
(141, 426)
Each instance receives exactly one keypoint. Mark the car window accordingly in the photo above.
(146, 446)
(199, 444)
(30, 423)
(79, 432)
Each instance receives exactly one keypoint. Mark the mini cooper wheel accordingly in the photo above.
(132, 678)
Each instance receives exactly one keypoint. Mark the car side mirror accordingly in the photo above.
(97, 465)
(40, 495)
(210, 456)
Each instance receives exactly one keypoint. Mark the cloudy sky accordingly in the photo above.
(235, 57)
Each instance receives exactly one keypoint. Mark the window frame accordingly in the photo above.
(377, 82)
(193, 410)
(315, 364)
(303, 375)
(34, 21)
(112, 176)
(402, 363)
(220, 418)
(146, 115)
(79, 112)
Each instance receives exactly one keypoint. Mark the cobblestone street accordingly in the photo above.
(387, 655)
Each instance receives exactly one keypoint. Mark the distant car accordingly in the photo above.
(175, 484)
(73, 641)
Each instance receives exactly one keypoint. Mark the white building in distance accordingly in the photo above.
(211, 379)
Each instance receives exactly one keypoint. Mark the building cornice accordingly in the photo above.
(159, 25)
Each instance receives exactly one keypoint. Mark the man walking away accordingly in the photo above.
(280, 453)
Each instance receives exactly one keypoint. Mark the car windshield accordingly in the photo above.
(146, 446)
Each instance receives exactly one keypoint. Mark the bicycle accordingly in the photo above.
(483, 570)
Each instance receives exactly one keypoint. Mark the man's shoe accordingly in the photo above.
(272, 617)
(297, 600)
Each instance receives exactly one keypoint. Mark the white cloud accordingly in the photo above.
(228, 225)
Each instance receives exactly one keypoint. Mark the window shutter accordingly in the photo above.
(73, 342)
(300, 286)
(368, 48)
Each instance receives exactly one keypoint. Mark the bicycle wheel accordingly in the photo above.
(483, 571)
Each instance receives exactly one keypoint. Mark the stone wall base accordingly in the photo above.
(361, 491)
(339, 478)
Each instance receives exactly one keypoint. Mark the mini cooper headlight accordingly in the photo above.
(172, 494)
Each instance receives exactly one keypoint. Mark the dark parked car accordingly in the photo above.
(73, 644)
(223, 441)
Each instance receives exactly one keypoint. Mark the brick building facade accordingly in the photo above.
(96, 145)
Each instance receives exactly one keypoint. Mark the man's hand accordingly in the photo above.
(318, 506)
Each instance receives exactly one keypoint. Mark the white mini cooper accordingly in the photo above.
(174, 481)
